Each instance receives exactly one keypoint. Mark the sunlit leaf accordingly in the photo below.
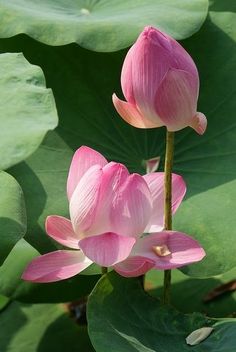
(101, 25)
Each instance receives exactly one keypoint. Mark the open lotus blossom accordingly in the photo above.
(160, 83)
(110, 209)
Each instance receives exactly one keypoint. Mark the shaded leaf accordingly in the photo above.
(134, 321)
(220, 290)
(183, 289)
(12, 214)
(3, 302)
(41, 328)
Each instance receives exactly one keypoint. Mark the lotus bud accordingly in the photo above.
(160, 83)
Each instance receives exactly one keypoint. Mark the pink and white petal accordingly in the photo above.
(126, 77)
(183, 249)
(82, 160)
(107, 249)
(183, 61)
(132, 207)
(150, 42)
(113, 177)
(124, 203)
(155, 182)
(199, 123)
(134, 266)
(176, 99)
(132, 116)
(56, 266)
(152, 61)
(152, 164)
(84, 201)
(61, 230)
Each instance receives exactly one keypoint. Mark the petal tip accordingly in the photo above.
(199, 123)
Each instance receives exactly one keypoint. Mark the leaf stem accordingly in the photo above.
(168, 206)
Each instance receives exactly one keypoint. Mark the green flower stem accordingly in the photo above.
(167, 207)
(104, 270)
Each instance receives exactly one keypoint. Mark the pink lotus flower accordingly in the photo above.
(109, 210)
(160, 83)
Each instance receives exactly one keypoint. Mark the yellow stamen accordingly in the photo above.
(161, 251)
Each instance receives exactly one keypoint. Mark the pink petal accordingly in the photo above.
(132, 207)
(56, 266)
(126, 77)
(150, 62)
(124, 203)
(60, 229)
(114, 176)
(131, 114)
(152, 164)
(107, 249)
(181, 60)
(82, 160)
(184, 249)
(176, 99)
(84, 201)
(155, 182)
(199, 123)
(134, 266)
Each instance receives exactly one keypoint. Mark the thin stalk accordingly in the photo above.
(167, 206)
(104, 270)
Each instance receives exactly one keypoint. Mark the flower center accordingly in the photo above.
(161, 251)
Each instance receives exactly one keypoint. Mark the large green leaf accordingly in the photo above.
(27, 109)
(83, 83)
(209, 163)
(40, 328)
(123, 318)
(101, 25)
(12, 286)
(12, 214)
(183, 289)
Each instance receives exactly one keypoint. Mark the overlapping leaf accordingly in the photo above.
(12, 214)
(135, 322)
(27, 109)
(100, 25)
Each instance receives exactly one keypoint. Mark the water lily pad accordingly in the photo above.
(27, 108)
(136, 322)
(102, 25)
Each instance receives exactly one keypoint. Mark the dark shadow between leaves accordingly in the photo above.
(64, 334)
(188, 297)
(221, 6)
